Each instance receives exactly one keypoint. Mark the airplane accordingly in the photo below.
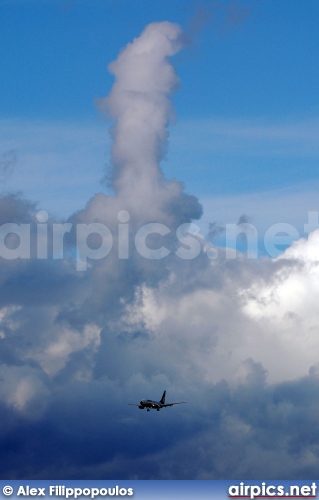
(156, 405)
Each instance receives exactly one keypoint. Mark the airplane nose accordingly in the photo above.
(141, 402)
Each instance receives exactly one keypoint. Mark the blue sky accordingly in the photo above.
(250, 60)
(236, 337)
(248, 92)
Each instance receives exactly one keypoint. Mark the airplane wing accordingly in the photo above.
(171, 404)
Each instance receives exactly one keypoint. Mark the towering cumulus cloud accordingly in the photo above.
(100, 323)
(151, 207)
(139, 103)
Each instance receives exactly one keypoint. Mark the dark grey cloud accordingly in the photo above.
(252, 430)
(229, 336)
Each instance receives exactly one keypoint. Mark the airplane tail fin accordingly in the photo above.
(163, 398)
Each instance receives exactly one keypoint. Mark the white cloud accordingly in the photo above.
(19, 385)
(235, 338)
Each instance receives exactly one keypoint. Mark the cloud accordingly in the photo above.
(290, 208)
(139, 102)
(250, 138)
(215, 229)
(49, 161)
(227, 16)
(7, 163)
(235, 338)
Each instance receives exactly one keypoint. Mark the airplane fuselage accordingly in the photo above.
(148, 403)
(156, 405)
